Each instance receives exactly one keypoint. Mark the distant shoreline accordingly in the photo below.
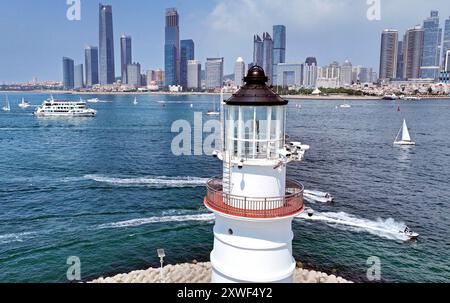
(291, 97)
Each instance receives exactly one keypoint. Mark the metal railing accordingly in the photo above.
(270, 207)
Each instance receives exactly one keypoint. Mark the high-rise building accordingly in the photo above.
(194, 74)
(412, 52)
(268, 56)
(290, 74)
(239, 72)
(187, 54)
(172, 48)
(160, 77)
(214, 73)
(279, 48)
(389, 54)
(431, 53)
(346, 75)
(107, 73)
(328, 76)
(446, 43)
(447, 61)
(91, 65)
(258, 51)
(364, 75)
(399, 73)
(134, 74)
(125, 56)
(78, 76)
(68, 73)
(310, 72)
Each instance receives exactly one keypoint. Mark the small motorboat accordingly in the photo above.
(410, 234)
(93, 100)
(135, 102)
(345, 106)
(24, 104)
(318, 196)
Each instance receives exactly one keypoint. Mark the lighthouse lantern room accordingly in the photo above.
(253, 201)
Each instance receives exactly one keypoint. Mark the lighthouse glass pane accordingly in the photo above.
(255, 132)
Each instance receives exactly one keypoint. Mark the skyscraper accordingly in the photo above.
(310, 72)
(279, 48)
(399, 73)
(389, 54)
(412, 52)
(68, 73)
(125, 56)
(106, 46)
(214, 73)
(258, 51)
(134, 74)
(346, 73)
(290, 74)
(431, 53)
(446, 44)
(268, 56)
(91, 65)
(239, 72)
(447, 61)
(78, 76)
(187, 53)
(172, 48)
(194, 73)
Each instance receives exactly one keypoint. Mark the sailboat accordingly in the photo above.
(406, 138)
(6, 107)
(214, 112)
(24, 104)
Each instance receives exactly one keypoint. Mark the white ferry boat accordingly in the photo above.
(59, 108)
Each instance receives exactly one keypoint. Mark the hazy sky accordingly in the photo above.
(36, 34)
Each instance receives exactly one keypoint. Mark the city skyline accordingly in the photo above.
(148, 45)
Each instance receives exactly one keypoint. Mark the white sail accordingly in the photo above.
(405, 133)
(6, 107)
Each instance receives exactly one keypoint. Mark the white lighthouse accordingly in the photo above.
(253, 201)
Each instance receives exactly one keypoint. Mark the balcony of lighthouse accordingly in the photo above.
(255, 208)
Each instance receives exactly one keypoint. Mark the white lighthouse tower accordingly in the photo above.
(253, 201)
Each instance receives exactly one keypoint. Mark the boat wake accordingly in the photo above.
(154, 182)
(384, 228)
(11, 238)
(153, 220)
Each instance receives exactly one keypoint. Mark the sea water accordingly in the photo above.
(109, 191)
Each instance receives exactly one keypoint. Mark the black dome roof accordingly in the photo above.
(256, 92)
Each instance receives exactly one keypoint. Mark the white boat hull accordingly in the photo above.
(75, 115)
(404, 143)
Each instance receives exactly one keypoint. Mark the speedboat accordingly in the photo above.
(318, 196)
(410, 234)
(93, 100)
(24, 104)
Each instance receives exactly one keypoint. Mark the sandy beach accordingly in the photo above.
(201, 273)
